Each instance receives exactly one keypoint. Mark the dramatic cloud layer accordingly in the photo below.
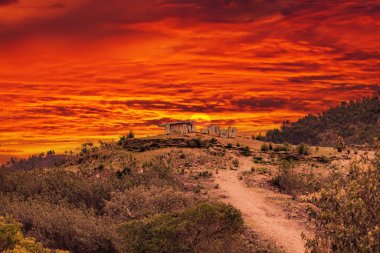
(92, 69)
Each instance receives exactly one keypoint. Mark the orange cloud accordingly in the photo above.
(76, 70)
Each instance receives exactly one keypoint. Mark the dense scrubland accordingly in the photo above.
(104, 200)
(357, 121)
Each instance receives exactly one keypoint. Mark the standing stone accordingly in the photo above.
(224, 133)
(214, 130)
(168, 130)
(232, 132)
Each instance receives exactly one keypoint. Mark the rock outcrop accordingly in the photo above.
(217, 131)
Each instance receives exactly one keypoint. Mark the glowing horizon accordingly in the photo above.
(88, 69)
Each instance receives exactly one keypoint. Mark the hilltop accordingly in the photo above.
(358, 122)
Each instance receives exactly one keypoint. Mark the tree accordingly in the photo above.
(131, 135)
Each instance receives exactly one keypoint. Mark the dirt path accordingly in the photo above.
(261, 214)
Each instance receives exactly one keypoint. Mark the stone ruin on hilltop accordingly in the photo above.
(187, 127)
(217, 131)
(179, 128)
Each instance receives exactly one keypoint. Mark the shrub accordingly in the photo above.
(292, 182)
(205, 173)
(57, 185)
(340, 145)
(13, 240)
(284, 147)
(303, 149)
(257, 159)
(270, 147)
(205, 227)
(235, 162)
(61, 226)
(130, 135)
(194, 143)
(324, 159)
(142, 202)
(347, 217)
(263, 171)
(259, 137)
(50, 153)
(264, 147)
(245, 151)
(229, 146)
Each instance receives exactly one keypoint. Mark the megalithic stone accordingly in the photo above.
(233, 132)
(168, 130)
(224, 133)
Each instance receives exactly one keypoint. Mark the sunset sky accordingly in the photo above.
(77, 70)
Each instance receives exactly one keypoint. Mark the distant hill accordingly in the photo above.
(356, 121)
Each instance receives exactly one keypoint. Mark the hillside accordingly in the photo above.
(190, 193)
(358, 122)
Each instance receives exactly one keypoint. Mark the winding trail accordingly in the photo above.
(259, 213)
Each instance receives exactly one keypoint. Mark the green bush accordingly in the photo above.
(245, 151)
(340, 145)
(292, 182)
(259, 137)
(283, 147)
(12, 239)
(264, 147)
(303, 149)
(142, 202)
(61, 226)
(57, 185)
(347, 217)
(205, 227)
(195, 143)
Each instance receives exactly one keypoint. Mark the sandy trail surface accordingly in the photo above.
(259, 212)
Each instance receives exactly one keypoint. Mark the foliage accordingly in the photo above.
(284, 147)
(12, 239)
(205, 227)
(131, 135)
(356, 121)
(235, 162)
(124, 139)
(56, 185)
(245, 151)
(293, 182)
(194, 143)
(264, 147)
(142, 202)
(260, 137)
(303, 149)
(62, 226)
(229, 146)
(347, 217)
(340, 145)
